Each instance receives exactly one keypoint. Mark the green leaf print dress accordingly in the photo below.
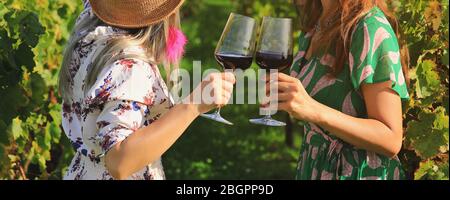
(374, 57)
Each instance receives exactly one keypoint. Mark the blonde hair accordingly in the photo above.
(152, 39)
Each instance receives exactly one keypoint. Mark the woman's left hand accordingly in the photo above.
(293, 98)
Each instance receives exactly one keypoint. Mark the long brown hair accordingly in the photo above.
(348, 13)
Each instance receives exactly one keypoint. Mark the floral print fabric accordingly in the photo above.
(127, 95)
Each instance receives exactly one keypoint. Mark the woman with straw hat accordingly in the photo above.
(117, 110)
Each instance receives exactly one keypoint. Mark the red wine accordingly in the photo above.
(273, 60)
(233, 61)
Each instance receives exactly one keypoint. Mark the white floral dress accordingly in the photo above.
(127, 95)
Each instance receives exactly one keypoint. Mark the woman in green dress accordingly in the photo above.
(347, 83)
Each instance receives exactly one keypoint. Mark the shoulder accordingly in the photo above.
(129, 69)
(126, 79)
(373, 34)
(373, 23)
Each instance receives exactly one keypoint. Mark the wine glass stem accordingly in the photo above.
(218, 111)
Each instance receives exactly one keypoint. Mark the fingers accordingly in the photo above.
(223, 99)
(228, 77)
(286, 78)
(283, 97)
(281, 77)
(222, 85)
(281, 87)
(227, 86)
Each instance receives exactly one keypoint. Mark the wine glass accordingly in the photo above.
(274, 51)
(235, 49)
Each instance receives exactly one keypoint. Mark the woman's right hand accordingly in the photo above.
(214, 91)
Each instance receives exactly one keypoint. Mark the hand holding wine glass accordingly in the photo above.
(221, 88)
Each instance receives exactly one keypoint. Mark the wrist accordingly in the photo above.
(191, 108)
(320, 113)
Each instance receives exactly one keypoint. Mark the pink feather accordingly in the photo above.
(175, 45)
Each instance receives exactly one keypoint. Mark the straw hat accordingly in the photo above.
(134, 13)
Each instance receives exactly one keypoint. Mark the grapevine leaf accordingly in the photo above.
(5, 41)
(30, 29)
(424, 169)
(24, 56)
(8, 108)
(43, 139)
(428, 136)
(441, 127)
(54, 130)
(16, 128)
(38, 86)
(38, 89)
(428, 82)
(431, 170)
(55, 113)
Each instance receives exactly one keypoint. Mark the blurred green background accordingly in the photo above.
(210, 150)
(32, 146)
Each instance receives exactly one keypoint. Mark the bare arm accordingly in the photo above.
(148, 143)
(381, 132)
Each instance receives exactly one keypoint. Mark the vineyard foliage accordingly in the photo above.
(32, 38)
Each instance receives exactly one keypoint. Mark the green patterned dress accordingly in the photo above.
(374, 57)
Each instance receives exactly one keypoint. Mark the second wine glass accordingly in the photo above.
(235, 49)
(274, 52)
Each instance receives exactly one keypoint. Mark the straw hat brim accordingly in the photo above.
(133, 14)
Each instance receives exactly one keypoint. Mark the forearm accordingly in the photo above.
(369, 134)
(148, 143)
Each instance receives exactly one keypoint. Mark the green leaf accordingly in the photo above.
(441, 127)
(424, 169)
(55, 113)
(38, 88)
(54, 130)
(30, 29)
(429, 136)
(5, 41)
(431, 170)
(12, 98)
(24, 56)
(16, 128)
(428, 82)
